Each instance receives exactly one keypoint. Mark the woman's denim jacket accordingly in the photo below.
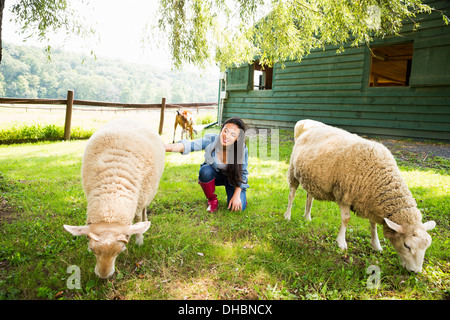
(209, 143)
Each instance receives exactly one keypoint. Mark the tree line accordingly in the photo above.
(26, 72)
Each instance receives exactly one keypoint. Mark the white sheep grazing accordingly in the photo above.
(359, 175)
(121, 168)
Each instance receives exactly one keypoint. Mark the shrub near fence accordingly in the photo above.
(23, 133)
(19, 133)
(53, 132)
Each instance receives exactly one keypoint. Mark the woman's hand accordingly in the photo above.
(174, 147)
(235, 202)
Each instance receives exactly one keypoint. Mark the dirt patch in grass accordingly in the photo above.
(6, 211)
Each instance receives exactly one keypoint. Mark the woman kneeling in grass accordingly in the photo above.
(226, 160)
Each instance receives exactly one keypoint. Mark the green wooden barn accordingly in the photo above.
(400, 90)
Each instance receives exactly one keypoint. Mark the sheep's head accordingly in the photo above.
(107, 242)
(410, 241)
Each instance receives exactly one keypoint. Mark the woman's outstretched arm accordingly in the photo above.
(174, 147)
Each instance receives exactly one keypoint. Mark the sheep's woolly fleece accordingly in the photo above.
(122, 165)
(335, 165)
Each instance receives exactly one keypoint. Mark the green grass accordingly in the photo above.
(191, 254)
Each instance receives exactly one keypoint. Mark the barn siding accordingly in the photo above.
(333, 88)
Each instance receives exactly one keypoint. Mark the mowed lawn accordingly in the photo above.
(191, 254)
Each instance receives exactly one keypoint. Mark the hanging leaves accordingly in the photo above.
(236, 31)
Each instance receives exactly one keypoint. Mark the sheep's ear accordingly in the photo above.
(429, 225)
(77, 230)
(139, 227)
(122, 238)
(394, 226)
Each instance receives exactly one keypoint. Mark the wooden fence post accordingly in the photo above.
(68, 121)
(161, 117)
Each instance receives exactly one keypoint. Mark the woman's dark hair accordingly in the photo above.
(235, 154)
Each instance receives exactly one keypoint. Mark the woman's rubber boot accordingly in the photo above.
(208, 189)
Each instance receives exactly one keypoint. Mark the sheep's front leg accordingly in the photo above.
(309, 201)
(374, 240)
(287, 214)
(141, 217)
(293, 185)
(345, 217)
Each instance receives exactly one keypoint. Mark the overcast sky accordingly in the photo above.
(119, 25)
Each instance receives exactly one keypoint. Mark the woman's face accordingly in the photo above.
(229, 134)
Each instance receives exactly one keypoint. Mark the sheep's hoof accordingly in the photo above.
(342, 244)
(287, 216)
(139, 239)
(377, 248)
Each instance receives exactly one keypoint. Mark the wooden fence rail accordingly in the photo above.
(70, 102)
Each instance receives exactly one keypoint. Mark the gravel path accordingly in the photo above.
(422, 148)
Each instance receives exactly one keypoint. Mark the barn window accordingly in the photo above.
(262, 77)
(391, 65)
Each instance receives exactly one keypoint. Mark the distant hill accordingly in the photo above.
(25, 72)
